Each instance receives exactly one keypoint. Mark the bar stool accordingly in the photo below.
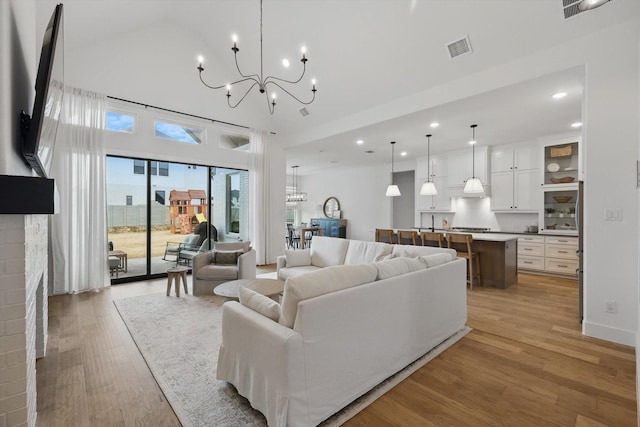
(407, 235)
(384, 235)
(472, 257)
(430, 236)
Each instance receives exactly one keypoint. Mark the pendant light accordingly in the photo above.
(392, 190)
(473, 185)
(428, 188)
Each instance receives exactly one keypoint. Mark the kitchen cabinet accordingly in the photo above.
(438, 174)
(515, 179)
(438, 203)
(559, 212)
(437, 167)
(531, 253)
(548, 254)
(561, 160)
(460, 166)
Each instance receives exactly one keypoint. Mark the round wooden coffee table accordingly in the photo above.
(269, 287)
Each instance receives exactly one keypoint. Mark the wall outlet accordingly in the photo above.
(613, 214)
(610, 306)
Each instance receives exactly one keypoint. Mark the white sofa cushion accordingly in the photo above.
(397, 266)
(437, 259)
(298, 258)
(328, 251)
(360, 252)
(415, 251)
(218, 272)
(320, 282)
(259, 303)
(285, 273)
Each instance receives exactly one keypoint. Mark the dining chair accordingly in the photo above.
(472, 257)
(293, 240)
(431, 236)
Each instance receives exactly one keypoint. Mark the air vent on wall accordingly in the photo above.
(459, 47)
(303, 111)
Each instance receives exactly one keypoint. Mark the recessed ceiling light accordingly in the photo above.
(434, 124)
(404, 153)
(559, 95)
(359, 142)
(576, 125)
(472, 142)
(285, 63)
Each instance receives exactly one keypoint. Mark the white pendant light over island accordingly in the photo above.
(473, 184)
(428, 188)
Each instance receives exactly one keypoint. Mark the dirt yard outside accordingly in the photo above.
(133, 242)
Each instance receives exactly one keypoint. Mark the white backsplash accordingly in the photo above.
(476, 212)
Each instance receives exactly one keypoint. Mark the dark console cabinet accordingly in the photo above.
(332, 227)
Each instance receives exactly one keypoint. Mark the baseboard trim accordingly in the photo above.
(608, 333)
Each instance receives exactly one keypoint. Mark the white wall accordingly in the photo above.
(361, 195)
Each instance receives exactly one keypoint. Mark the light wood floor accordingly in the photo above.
(524, 364)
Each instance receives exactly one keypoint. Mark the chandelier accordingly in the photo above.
(295, 196)
(263, 83)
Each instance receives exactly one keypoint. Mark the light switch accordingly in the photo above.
(613, 214)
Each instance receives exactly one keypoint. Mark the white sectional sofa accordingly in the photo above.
(328, 251)
(340, 330)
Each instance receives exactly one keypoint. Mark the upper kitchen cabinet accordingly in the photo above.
(438, 174)
(436, 169)
(514, 178)
(561, 160)
(461, 166)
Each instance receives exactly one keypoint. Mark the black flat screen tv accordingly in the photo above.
(39, 131)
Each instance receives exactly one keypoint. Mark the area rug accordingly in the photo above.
(179, 340)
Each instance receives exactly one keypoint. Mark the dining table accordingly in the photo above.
(303, 230)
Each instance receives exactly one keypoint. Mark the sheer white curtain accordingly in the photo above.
(78, 232)
(259, 202)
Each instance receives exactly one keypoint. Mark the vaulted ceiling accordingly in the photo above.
(369, 53)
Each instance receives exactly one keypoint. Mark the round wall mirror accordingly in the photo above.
(330, 205)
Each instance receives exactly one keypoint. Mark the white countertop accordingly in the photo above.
(489, 237)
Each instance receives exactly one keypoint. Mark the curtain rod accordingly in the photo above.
(180, 112)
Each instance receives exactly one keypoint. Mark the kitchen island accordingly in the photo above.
(498, 257)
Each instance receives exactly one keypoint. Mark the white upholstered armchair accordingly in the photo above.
(220, 265)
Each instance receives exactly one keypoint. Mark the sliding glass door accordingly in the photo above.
(154, 207)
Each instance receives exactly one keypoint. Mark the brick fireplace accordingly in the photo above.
(23, 314)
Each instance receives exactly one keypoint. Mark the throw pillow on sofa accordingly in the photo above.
(436, 259)
(259, 303)
(397, 266)
(299, 258)
(226, 257)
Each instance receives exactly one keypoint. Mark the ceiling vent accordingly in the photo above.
(571, 8)
(304, 112)
(459, 47)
